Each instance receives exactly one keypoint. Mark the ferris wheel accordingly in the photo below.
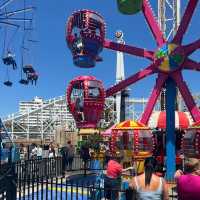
(168, 61)
(16, 19)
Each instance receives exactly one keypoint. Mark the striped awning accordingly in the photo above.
(130, 125)
(183, 120)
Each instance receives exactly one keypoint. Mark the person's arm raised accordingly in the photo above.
(126, 169)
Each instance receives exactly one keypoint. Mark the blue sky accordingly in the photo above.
(53, 61)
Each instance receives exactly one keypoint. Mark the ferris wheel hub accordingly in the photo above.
(173, 57)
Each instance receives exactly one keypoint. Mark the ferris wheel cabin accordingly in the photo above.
(129, 7)
(85, 37)
(86, 97)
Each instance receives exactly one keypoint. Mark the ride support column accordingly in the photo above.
(170, 128)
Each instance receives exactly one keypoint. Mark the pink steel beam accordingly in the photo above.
(185, 21)
(191, 64)
(129, 49)
(132, 79)
(153, 98)
(189, 101)
(153, 24)
(190, 48)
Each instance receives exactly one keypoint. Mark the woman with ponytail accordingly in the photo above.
(148, 185)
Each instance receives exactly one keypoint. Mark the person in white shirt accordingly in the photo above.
(34, 152)
(39, 152)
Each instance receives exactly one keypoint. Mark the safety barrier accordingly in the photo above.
(46, 167)
(43, 179)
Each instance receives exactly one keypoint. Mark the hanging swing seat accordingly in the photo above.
(8, 83)
(28, 69)
(23, 81)
(32, 76)
(9, 60)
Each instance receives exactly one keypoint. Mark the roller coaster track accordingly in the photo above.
(43, 121)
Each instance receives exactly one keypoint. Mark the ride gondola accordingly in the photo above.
(8, 83)
(31, 75)
(9, 60)
(129, 7)
(85, 37)
(86, 97)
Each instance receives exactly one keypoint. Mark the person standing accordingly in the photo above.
(108, 156)
(64, 152)
(85, 156)
(57, 150)
(21, 152)
(148, 185)
(51, 151)
(70, 154)
(188, 182)
(112, 180)
(39, 152)
(34, 152)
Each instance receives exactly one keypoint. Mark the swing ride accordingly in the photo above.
(16, 23)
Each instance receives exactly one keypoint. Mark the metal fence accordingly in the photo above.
(42, 179)
(63, 189)
(7, 182)
(53, 167)
(47, 167)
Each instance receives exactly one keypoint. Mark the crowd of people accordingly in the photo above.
(35, 151)
(151, 185)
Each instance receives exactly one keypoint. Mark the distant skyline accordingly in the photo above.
(53, 61)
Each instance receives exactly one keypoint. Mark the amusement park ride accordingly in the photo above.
(85, 35)
(15, 18)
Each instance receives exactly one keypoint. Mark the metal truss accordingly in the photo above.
(40, 120)
(169, 17)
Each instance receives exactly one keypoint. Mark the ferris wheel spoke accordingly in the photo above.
(189, 101)
(190, 48)
(132, 79)
(11, 13)
(129, 49)
(152, 22)
(185, 21)
(191, 65)
(3, 5)
(153, 98)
